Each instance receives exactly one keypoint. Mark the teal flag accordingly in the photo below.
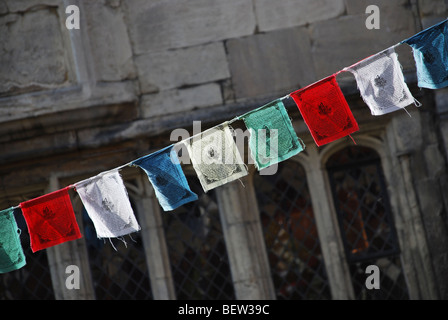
(11, 252)
(272, 136)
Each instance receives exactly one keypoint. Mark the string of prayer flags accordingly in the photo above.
(11, 252)
(272, 136)
(106, 201)
(381, 82)
(325, 111)
(430, 49)
(50, 220)
(167, 178)
(215, 157)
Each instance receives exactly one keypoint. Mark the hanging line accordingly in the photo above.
(129, 164)
(354, 64)
(203, 132)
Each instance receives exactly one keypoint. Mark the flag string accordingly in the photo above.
(239, 117)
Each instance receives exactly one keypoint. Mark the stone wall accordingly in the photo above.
(77, 102)
(179, 57)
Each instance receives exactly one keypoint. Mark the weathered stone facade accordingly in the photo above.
(74, 103)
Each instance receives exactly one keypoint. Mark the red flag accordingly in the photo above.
(50, 220)
(325, 111)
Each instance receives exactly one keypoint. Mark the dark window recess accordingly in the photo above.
(197, 250)
(290, 232)
(365, 221)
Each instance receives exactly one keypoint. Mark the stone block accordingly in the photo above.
(160, 71)
(435, 163)
(355, 7)
(38, 146)
(407, 132)
(165, 24)
(432, 7)
(270, 63)
(444, 131)
(441, 98)
(3, 7)
(109, 41)
(344, 41)
(272, 15)
(24, 5)
(32, 51)
(432, 12)
(182, 100)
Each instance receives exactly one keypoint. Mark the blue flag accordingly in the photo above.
(167, 178)
(430, 49)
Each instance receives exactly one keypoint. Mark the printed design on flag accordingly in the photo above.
(325, 111)
(167, 178)
(404, 96)
(322, 135)
(48, 216)
(213, 153)
(216, 160)
(47, 213)
(215, 157)
(429, 56)
(161, 181)
(380, 81)
(108, 205)
(271, 151)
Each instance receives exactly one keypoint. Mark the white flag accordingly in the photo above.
(381, 82)
(215, 157)
(106, 201)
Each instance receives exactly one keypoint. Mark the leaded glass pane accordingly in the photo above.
(290, 232)
(197, 249)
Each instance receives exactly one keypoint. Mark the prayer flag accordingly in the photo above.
(215, 157)
(167, 178)
(430, 49)
(11, 251)
(106, 201)
(325, 111)
(272, 136)
(381, 82)
(50, 220)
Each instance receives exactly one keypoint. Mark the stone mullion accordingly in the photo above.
(245, 243)
(65, 254)
(154, 242)
(327, 228)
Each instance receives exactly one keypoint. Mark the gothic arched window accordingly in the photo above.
(365, 221)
